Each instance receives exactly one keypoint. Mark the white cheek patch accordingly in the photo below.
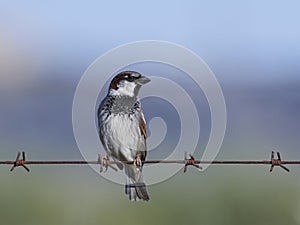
(126, 88)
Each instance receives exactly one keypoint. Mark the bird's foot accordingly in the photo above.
(104, 162)
(137, 161)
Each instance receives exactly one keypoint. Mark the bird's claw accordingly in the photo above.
(103, 162)
(137, 161)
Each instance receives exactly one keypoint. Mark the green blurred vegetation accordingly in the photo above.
(221, 195)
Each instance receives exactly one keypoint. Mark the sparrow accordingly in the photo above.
(122, 130)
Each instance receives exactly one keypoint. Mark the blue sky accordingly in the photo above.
(240, 40)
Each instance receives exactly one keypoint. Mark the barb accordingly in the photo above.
(104, 162)
(277, 162)
(20, 162)
(190, 162)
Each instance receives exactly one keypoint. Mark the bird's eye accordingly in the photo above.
(130, 78)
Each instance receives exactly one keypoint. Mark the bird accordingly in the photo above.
(122, 130)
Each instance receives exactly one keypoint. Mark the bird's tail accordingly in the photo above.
(135, 187)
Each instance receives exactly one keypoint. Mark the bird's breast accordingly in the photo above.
(124, 138)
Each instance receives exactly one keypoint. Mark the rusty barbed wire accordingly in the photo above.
(187, 161)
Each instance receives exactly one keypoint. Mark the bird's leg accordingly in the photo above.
(103, 161)
(137, 161)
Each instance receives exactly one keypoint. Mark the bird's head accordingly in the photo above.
(127, 83)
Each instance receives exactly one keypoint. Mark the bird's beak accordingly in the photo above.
(143, 80)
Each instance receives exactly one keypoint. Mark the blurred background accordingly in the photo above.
(252, 47)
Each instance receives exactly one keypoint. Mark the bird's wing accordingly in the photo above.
(143, 126)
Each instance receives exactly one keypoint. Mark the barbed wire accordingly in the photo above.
(104, 162)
